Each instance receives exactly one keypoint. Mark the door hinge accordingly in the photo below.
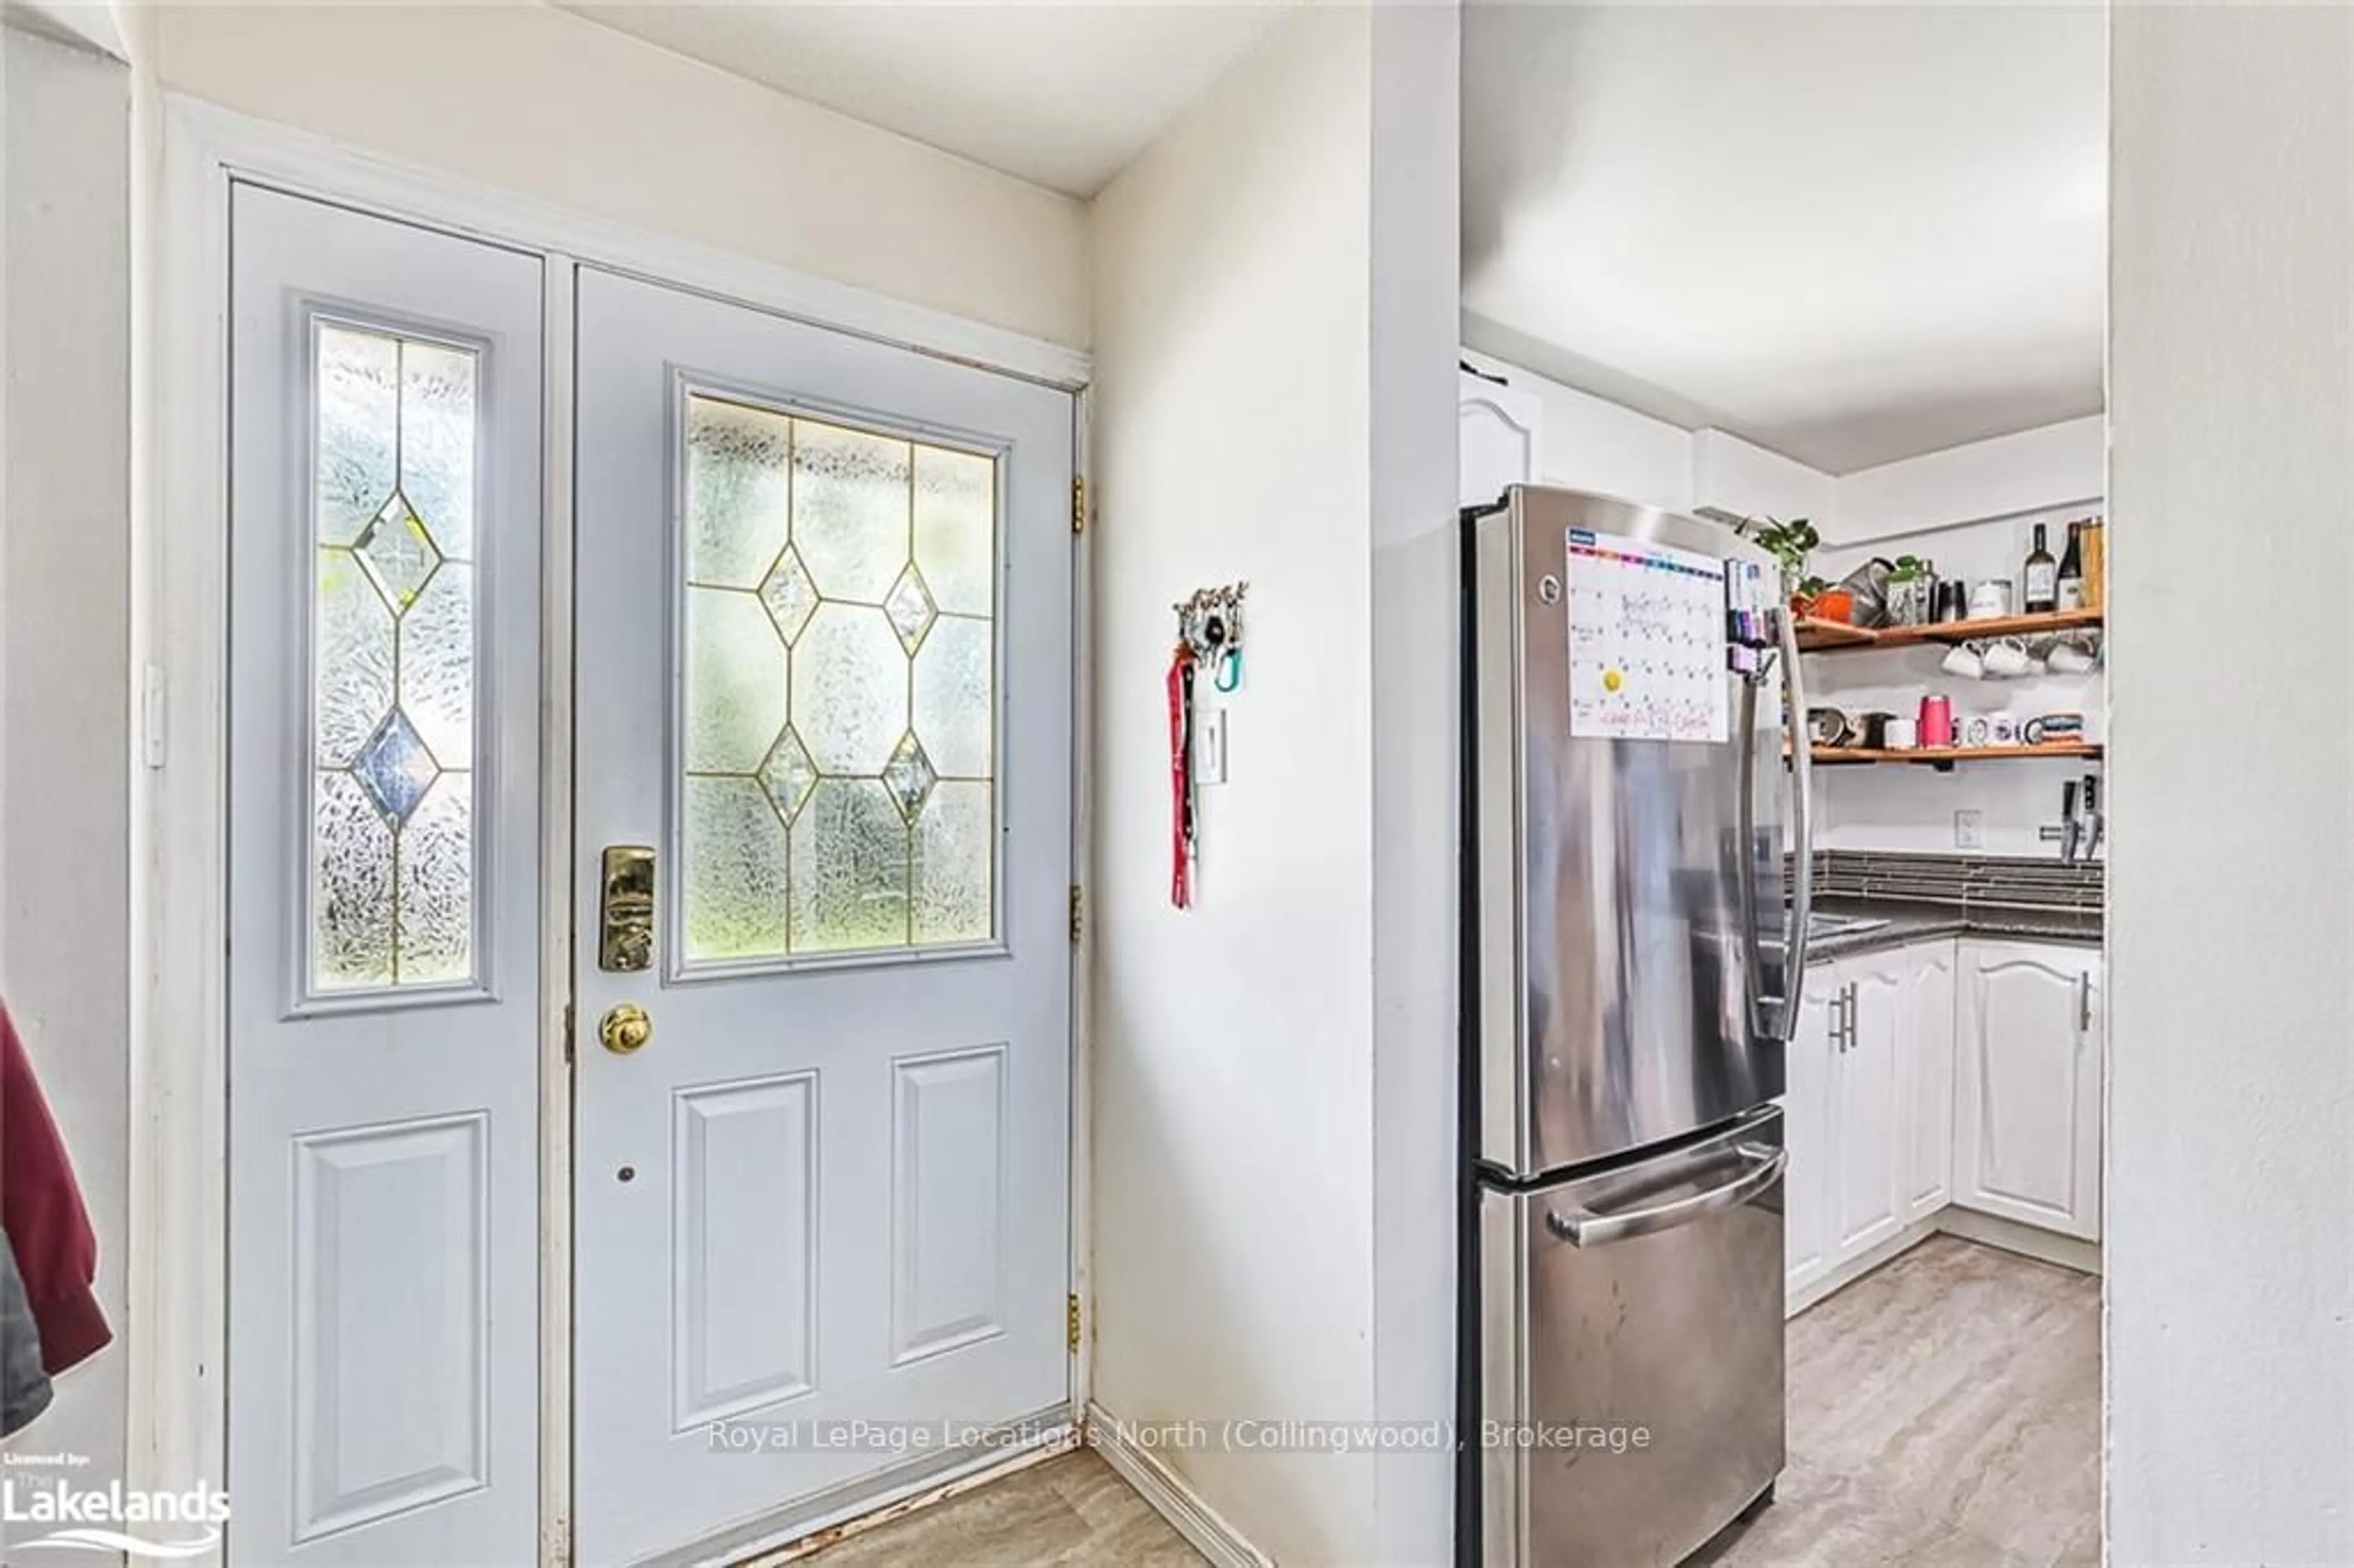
(1078, 914)
(1071, 1322)
(567, 1034)
(1078, 503)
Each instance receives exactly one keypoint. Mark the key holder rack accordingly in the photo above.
(1211, 624)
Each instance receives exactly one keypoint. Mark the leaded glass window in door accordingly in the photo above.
(839, 728)
(392, 883)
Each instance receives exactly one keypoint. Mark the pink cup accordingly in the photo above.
(1937, 721)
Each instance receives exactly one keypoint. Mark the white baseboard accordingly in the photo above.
(1856, 1267)
(2028, 1241)
(1170, 1498)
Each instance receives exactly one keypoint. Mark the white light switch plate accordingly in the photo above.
(1210, 748)
(1969, 830)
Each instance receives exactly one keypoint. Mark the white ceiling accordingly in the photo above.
(1060, 95)
(1849, 233)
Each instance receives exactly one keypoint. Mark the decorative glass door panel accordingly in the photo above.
(838, 681)
(392, 882)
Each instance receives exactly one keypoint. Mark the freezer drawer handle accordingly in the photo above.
(1581, 1227)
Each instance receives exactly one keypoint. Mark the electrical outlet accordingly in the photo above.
(1210, 748)
(1969, 830)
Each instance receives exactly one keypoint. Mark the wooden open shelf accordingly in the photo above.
(1838, 637)
(1942, 758)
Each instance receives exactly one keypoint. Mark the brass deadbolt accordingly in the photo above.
(625, 1028)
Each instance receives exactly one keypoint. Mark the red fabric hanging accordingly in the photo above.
(41, 1208)
(1180, 776)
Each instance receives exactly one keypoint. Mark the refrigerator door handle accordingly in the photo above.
(1745, 827)
(1581, 1227)
(1802, 824)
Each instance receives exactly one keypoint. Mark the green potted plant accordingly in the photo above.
(1790, 543)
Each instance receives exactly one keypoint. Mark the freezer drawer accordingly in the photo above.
(1631, 1347)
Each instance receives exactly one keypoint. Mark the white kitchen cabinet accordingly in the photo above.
(2026, 1143)
(1869, 1115)
(1868, 1141)
(1925, 1079)
(1497, 432)
(1807, 1122)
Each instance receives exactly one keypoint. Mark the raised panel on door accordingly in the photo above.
(1808, 1127)
(1867, 1109)
(825, 676)
(1926, 1058)
(384, 983)
(2025, 1089)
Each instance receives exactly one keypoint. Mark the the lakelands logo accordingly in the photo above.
(89, 1518)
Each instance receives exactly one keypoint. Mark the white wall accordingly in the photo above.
(65, 699)
(2229, 1237)
(1416, 121)
(1234, 1060)
(1590, 443)
(545, 102)
(2052, 466)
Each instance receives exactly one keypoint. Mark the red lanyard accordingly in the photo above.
(1180, 776)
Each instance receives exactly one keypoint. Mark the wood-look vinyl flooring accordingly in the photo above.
(1944, 1412)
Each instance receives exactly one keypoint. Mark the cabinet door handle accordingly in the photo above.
(2084, 1003)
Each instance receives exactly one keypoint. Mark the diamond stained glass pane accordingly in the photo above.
(736, 459)
(950, 878)
(910, 609)
(956, 528)
(395, 769)
(734, 880)
(789, 775)
(849, 509)
(789, 595)
(397, 552)
(909, 776)
(433, 917)
(849, 869)
(356, 386)
(438, 413)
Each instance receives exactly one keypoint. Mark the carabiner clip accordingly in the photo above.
(1229, 674)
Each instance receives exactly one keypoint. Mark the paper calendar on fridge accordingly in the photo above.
(1645, 641)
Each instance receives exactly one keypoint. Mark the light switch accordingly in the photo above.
(1210, 748)
(1969, 830)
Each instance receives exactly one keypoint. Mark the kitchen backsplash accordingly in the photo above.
(1992, 882)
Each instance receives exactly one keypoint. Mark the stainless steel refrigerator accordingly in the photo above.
(1630, 974)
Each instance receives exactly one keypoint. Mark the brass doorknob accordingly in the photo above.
(625, 1028)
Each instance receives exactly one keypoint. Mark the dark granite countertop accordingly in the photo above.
(1913, 921)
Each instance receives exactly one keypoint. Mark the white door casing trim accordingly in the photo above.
(177, 1247)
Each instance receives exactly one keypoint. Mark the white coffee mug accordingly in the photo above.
(2007, 658)
(1977, 729)
(2070, 658)
(1899, 734)
(2002, 729)
(1963, 660)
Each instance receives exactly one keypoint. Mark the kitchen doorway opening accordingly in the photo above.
(1846, 314)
